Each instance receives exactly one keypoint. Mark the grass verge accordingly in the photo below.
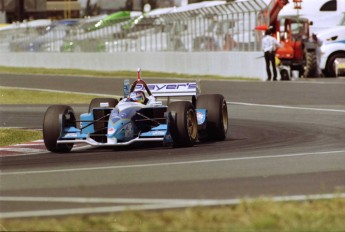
(261, 215)
(114, 74)
(15, 96)
(18, 96)
(16, 136)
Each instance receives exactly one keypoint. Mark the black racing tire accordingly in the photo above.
(183, 125)
(311, 65)
(95, 103)
(52, 127)
(217, 115)
(285, 76)
(330, 69)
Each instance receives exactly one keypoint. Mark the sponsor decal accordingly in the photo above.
(104, 104)
(111, 130)
(128, 130)
(168, 87)
(114, 116)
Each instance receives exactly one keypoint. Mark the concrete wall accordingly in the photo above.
(228, 64)
(2, 17)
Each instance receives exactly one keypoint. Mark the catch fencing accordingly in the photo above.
(221, 27)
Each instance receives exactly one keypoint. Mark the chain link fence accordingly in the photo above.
(220, 27)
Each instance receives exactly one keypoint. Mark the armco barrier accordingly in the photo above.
(227, 64)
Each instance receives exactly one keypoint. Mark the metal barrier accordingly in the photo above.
(222, 27)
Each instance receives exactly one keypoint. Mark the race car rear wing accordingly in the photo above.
(162, 89)
(171, 89)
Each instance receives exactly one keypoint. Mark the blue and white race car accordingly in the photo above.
(139, 117)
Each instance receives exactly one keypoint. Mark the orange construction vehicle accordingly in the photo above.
(298, 52)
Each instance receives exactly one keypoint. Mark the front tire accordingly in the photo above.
(330, 70)
(183, 125)
(52, 127)
(311, 65)
(217, 115)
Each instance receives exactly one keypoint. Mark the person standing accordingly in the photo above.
(269, 45)
(229, 43)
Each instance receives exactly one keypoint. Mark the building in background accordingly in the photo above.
(92, 7)
(19, 10)
(98, 7)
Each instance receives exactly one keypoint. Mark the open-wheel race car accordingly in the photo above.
(140, 117)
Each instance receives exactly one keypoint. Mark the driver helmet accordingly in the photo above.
(137, 96)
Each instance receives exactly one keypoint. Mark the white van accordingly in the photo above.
(333, 47)
(323, 13)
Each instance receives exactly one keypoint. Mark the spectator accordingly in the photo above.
(229, 43)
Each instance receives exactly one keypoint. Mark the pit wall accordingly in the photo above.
(226, 64)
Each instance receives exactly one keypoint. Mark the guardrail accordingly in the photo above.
(222, 27)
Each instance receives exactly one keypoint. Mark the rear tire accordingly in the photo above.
(285, 76)
(52, 127)
(217, 115)
(183, 127)
(311, 65)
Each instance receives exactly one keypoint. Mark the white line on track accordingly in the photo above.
(339, 152)
(87, 200)
(286, 107)
(143, 204)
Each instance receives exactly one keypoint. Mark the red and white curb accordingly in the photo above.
(33, 147)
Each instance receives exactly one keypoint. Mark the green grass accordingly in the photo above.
(113, 74)
(18, 96)
(261, 215)
(15, 96)
(16, 136)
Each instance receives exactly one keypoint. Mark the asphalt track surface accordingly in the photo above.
(284, 139)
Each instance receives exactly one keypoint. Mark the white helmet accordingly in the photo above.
(137, 96)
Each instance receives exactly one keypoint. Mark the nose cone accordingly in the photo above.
(122, 130)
